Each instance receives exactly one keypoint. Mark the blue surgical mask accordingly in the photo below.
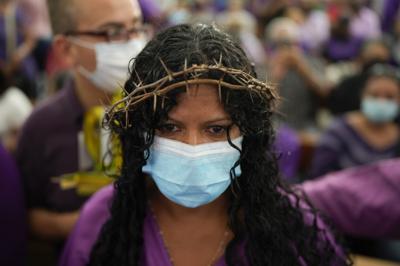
(379, 110)
(189, 175)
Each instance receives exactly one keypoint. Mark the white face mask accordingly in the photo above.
(112, 60)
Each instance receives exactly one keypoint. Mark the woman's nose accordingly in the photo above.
(193, 137)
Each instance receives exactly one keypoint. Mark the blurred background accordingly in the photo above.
(334, 62)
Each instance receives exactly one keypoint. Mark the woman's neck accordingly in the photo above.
(376, 127)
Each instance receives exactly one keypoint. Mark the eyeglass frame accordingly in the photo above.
(124, 32)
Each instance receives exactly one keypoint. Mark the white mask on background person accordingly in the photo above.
(112, 61)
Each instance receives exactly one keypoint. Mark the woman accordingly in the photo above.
(199, 184)
(367, 135)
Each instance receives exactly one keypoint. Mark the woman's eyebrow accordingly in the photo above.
(221, 119)
(214, 120)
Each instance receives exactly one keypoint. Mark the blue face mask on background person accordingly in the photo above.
(192, 175)
(379, 110)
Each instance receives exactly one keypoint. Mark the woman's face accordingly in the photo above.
(198, 118)
(382, 88)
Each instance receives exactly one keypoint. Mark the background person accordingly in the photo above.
(95, 39)
(365, 136)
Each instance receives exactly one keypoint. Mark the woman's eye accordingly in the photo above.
(169, 128)
(217, 130)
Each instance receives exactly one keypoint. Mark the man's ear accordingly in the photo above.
(64, 52)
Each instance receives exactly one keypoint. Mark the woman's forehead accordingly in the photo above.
(382, 84)
(199, 101)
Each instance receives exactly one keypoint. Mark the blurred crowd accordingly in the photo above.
(334, 62)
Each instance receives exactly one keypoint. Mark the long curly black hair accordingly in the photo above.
(275, 224)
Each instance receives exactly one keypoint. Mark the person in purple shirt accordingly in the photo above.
(95, 40)
(199, 183)
(13, 229)
(365, 136)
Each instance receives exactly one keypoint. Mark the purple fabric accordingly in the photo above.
(342, 147)
(337, 50)
(12, 219)
(365, 24)
(48, 147)
(28, 66)
(390, 10)
(150, 9)
(362, 201)
(96, 212)
(287, 146)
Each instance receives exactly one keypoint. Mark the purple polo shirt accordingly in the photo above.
(361, 201)
(48, 147)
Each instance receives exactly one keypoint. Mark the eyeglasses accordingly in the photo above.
(112, 34)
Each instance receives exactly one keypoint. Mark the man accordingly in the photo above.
(95, 39)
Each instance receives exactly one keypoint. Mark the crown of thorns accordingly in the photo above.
(186, 77)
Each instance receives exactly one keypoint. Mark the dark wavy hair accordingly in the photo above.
(274, 224)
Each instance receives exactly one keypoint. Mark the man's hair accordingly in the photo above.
(63, 15)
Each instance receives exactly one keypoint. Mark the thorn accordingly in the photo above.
(185, 76)
(220, 60)
(167, 70)
(125, 91)
(187, 87)
(163, 102)
(220, 91)
(137, 75)
(251, 97)
(154, 102)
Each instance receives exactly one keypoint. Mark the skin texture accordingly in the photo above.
(198, 118)
(93, 15)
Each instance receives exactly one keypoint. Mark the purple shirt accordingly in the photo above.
(12, 213)
(341, 146)
(287, 146)
(48, 147)
(362, 201)
(96, 212)
(27, 66)
(337, 50)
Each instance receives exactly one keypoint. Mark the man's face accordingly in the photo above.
(100, 15)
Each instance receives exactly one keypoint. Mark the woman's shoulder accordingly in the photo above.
(93, 215)
(99, 204)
